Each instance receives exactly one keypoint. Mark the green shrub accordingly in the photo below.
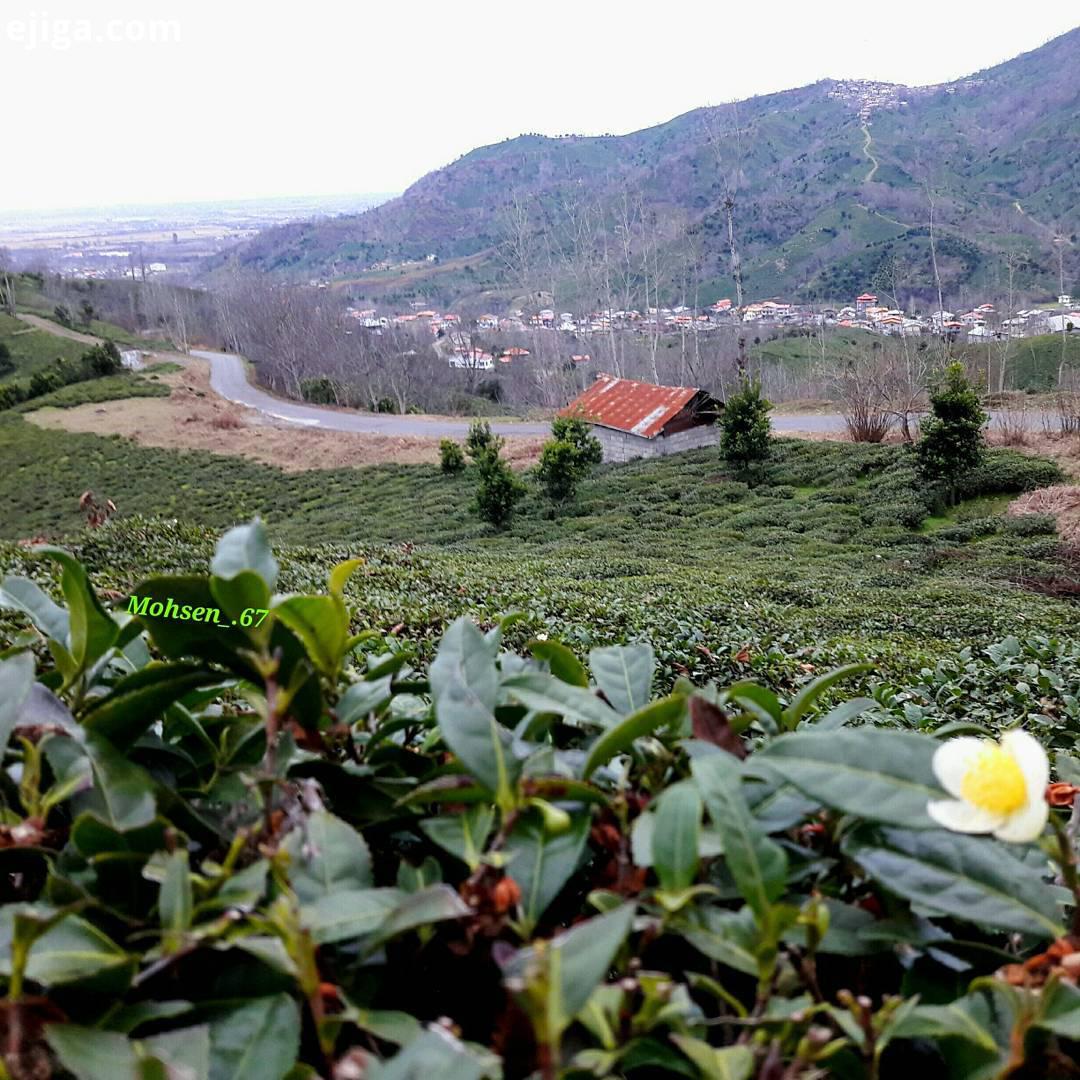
(1006, 472)
(480, 439)
(498, 488)
(567, 457)
(744, 424)
(1030, 525)
(451, 456)
(102, 360)
(320, 391)
(11, 394)
(951, 441)
(43, 382)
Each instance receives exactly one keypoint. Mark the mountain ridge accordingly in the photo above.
(831, 182)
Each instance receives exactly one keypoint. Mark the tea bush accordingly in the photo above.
(290, 849)
(451, 456)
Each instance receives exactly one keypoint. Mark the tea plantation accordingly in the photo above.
(832, 557)
(671, 799)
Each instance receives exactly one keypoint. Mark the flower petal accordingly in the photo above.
(1027, 823)
(960, 816)
(1031, 757)
(953, 758)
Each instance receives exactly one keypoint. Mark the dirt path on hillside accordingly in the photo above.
(50, 327)
(866, 150)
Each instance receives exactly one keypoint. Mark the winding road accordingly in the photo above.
(229, 378)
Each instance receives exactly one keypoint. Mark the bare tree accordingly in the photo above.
(729, 168)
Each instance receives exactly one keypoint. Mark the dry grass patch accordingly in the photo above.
(193, 417)
(1062, 502)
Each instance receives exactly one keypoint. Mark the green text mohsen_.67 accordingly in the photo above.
(170, 609)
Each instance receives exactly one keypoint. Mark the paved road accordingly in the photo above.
(228, 377)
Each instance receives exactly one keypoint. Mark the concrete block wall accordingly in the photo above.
(621, 446)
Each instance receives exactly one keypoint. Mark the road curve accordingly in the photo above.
(229, 378)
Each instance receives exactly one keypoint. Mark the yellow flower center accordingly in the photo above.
(994, 782)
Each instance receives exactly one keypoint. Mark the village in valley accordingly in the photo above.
(982, 322)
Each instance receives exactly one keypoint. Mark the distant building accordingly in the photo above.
(637, 419)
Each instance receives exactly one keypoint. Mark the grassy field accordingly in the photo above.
(802, 351)
(824, 561)
(1033, 363)
(124, 384)
(32, 350)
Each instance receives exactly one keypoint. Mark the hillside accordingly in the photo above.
(830, 183)
(674, 550)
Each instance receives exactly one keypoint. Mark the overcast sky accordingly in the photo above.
(113, 101)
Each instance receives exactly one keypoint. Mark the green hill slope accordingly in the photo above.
(820, 562)
(992, 149)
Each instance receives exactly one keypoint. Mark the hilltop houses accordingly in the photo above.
(980, 323)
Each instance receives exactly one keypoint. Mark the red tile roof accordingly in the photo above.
(634, 407)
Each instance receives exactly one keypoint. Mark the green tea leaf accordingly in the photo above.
(22, 594)
(126, 791)
(92, 630)
(185, 1053)
(625, 674)
(880, 775)
(969, 1018)
(339, 576)
(259, 1041)
(16, 679)
(758, 864)
(437, 1052)
(563, 664)
(322, 624)
(572, 965)
(804, 700)
(325, 856)
(464, 684)
(349, 913)
(71, 950)
(141, 697)
(676, 836)
(541, 864)
(464, 835)
(436, 903)
(176, 901)
(1059, 1009)
(545, 693)
(620, 738)
(972, 878)
(93, 1054)
(717, 1063)
(245, 547)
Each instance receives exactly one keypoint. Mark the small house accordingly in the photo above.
(638, 419)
